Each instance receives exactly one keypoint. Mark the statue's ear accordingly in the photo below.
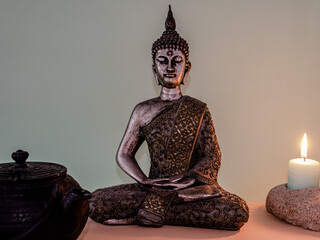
(155, 74)
(186, 72)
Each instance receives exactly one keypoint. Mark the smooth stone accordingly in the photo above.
(299, 207)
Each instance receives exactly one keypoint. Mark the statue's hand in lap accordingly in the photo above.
(174, 183)
(200, 192)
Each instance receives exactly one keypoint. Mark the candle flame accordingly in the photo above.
(304, 146)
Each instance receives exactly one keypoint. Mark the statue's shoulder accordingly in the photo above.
(145, 106)
(195, 102)
(145, 110)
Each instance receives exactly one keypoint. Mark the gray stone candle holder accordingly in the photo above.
(298, 207)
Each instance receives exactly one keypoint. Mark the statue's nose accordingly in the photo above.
(170, 68)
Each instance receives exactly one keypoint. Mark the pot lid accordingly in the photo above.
(23, 172)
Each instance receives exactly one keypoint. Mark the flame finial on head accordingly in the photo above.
(170, 39)
(170, 22)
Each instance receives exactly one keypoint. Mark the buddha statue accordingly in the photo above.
(181, 188)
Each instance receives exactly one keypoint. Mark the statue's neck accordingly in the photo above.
(170, 94)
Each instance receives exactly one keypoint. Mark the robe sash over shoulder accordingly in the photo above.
(171, 137)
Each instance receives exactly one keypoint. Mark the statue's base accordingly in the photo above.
(298, 207)
(261, 225)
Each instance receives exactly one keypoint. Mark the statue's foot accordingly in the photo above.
(148, 219)
(125, 221)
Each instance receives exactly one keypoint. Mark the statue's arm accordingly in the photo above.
(131, 141)
(208, 155)
(207, 164)
(129, 145)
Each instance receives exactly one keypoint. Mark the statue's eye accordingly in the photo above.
(178, 59)
(162, 60)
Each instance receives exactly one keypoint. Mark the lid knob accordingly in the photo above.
(20, 158)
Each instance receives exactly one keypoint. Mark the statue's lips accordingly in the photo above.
(173, 75)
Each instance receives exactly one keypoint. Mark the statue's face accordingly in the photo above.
(170, 65)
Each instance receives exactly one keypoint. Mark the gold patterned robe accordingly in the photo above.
(171, 138)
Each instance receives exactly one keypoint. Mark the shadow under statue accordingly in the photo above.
(182, 187)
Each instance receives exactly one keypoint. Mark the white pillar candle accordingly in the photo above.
(303, 172)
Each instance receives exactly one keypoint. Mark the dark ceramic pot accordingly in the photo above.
(39, 200)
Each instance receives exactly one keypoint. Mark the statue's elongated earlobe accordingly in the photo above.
(186, 73)
(155, 75)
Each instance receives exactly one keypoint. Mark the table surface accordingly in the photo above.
(261, 226)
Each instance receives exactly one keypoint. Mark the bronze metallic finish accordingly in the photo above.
(181, 188)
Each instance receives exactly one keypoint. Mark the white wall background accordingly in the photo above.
(71, 72)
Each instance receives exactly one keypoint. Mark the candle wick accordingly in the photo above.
(304, 158)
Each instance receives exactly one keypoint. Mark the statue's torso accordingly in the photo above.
(171, 136)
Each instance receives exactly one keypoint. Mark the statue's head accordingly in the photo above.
(170, 55)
